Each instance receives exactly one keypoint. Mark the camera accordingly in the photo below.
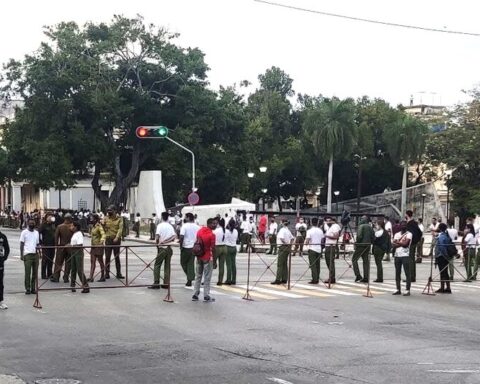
(345, 219)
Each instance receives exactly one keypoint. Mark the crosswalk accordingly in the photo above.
(300, 290)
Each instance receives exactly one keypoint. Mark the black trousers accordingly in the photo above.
(48, 254)
(116, 254)
(1, 280)
(405, 262)
(443, 267)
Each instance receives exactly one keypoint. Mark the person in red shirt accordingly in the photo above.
(262, 228)
(206, 237)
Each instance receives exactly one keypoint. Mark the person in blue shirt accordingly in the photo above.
(442, 258)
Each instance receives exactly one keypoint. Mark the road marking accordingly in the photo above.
(453, 371)
(375, 287)
(272, 292)
(357, 288)
(333, 291)
(307, 291)
(279, 381)
(243, 291)
(211, 291)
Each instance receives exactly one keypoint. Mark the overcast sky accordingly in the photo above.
(241, 38)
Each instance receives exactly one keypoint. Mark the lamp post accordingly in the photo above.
(448, 198)
(423, 205)
(317, 193)
(263, 169)
(336, 194)
(264, 191)
(359, 180)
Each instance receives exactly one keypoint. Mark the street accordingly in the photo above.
(303, 335)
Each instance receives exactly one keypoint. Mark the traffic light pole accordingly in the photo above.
(193, 160)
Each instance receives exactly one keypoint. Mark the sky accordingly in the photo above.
(323, 55)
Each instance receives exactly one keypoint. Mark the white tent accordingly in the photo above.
(204, 212)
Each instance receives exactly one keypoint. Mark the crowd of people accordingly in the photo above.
(214, 246)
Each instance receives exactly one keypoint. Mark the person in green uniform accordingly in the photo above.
(284, 240)
(47, 239)
(188, 235)
(96, 252)
(113, 237)
(231, 237)
(381, 245)
(164, 236)
(363, 243)
(76, 245)
(220, 254)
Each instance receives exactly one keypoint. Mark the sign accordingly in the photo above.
(193, 198)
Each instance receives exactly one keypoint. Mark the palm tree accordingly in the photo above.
(332, 128)
(405, 140)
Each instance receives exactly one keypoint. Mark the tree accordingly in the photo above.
(333, 131)
(86, 90)
(405, 139)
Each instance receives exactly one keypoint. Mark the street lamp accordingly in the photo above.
(336, 193)
(251, 175)
(263, 169)
(423, 205)
(264, 191)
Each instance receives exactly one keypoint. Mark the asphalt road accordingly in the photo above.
(305, 335)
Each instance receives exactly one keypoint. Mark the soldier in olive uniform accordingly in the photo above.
(113, 238)
(363, 245)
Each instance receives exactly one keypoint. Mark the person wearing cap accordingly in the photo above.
(284, 241)
(113, 237)
(164, 236)
(363, 245)
(63, 235)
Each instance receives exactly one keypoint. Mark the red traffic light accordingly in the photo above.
(142, 132)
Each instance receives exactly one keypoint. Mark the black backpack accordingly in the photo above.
(451, 248)
(415, 231)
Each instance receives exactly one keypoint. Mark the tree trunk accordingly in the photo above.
(329, 191)
(404, 189)
(122, 182)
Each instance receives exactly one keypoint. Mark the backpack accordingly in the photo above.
(384, 241)
(198, 248)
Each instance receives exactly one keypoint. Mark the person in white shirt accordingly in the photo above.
(332, 234)
(76, 266)
(313, 240)
(433, 231)
(389, 229)
(247, 228)
(301, 232)
(470, 242)
(188, 235)
(272, 237)
(231, 236)
(284, 241)
(220, 254)
(165, 235)
(29, 240)
(401, 245)
(453, 233)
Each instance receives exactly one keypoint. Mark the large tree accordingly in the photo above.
(331, 124)
(86, 89)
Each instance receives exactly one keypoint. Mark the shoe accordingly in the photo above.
(276, 282)
(107, 276)
(440, 290)
(406, 293)
(194, 298)
(86, 290)
(313, 282)
(227, 283)
(363, 281)
(120, 276)
(234, 283)
(189, 283)
(448, 290)
(52, 280)
(165, 286)
(219, 283)
(90, 280)
(378, 281)
(358, 278)
(102, 279)
(328, 281)
(3, 305)
(65, 281)
(418, 261)
(396, 293)
(32, 291)
(154, 286)
(467, 281)
(208, 299)
(284, 281)
(73, 290)
(27, 292)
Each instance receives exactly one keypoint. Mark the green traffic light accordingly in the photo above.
(163, 131)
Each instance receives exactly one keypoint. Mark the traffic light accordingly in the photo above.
(152, 132)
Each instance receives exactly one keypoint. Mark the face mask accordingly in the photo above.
(31, 226)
